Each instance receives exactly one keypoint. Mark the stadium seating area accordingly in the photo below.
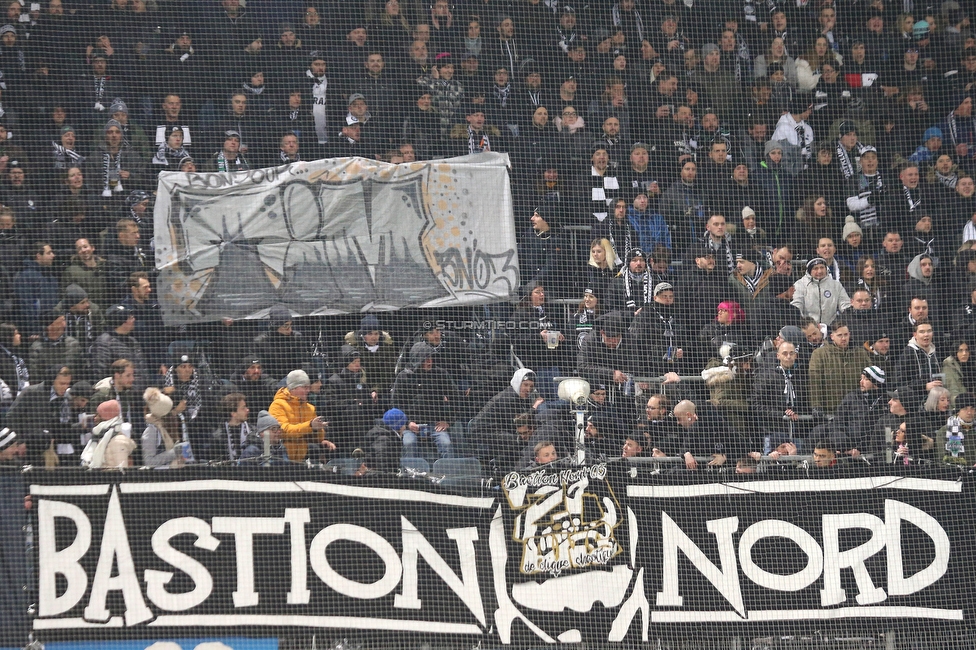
(749, 225)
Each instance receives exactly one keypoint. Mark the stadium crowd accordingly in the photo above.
(775, 196)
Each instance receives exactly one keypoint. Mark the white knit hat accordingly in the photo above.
(297, 378)
(850, 226)
(158, 402)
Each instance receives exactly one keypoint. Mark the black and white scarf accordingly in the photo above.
(64, 411)
(873, 290)
(319, 87)
(165, 154)
(585, 320)
(253, 91)
(127, 414)
(99, 83)
(954, 128)
(225, 165)
(285, 159)
(752, 281)
(567, 40)
(913, 198)
(478, 142)
(645, 277)
(111, 165)
(947, 180)
(65, 158)
(233, 446)
(544, 322)
(502, 93)
(727, 245)
(868, 217)
(618, 19)
(189, 391)
(23, 375)
(126, 137)
(788, 389)
(80, 326)
(472, 45)
(846, 164)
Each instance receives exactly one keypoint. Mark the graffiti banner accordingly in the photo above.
(334, 236)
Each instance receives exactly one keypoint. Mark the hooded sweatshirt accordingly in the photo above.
(498, 414)
(917, 367)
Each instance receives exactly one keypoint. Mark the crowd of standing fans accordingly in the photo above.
(750, 225)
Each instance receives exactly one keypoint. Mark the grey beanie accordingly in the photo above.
(708, 48)
(772, 146)
(265, 421)
(73, 294)
(297, 378)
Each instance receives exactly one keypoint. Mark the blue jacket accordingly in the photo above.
(36, 288)
(651, 229)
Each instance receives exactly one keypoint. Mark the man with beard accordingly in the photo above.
(257, 389)
(639, 178)
(317, 95)
(352, 405)
(40, 416)
(493, 429)
(853, 428)
(834, 368)
(88, 271)
(683, 206)
(653, 345)
(631, 290)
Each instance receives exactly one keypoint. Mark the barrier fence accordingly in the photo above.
(611, 554)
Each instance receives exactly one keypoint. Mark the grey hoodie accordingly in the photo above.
(518, 378)
(915, 268)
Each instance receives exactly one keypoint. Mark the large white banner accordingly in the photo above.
(334, 236)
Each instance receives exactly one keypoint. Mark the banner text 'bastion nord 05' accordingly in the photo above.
(558, 554)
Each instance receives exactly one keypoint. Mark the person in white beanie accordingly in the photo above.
(850, 251)
(13, 449)
(161, 441)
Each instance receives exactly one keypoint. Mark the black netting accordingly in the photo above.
(409, 269)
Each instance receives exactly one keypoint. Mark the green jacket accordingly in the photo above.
(953, 378)
(834, 372)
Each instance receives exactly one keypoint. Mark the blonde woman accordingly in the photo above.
(602, 266)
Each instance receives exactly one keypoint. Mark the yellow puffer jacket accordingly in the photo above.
(295, 418)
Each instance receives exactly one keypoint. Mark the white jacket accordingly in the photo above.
(94, 454)
(820, 300)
